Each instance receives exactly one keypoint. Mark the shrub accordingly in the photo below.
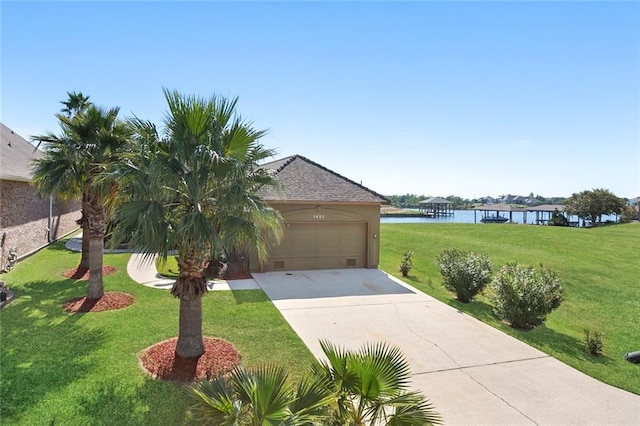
(524, 296)
(465, 274)
(628, 213)
(558, 219)
(594, 341)
(407, 263)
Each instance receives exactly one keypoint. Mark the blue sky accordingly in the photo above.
(434, 98)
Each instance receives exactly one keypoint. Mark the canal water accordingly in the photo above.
(467, 216)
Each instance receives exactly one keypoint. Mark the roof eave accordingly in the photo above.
(15, 178)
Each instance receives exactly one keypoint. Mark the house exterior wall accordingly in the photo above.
(25, 219)
(333, 213)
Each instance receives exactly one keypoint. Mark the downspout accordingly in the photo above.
(50, 218)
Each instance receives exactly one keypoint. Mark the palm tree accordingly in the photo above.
(371, 385)
(76, 104)
(59, 173)
(193, 191)
(76, 164)
(260, 396)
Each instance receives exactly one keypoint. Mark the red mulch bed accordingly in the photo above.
(111, 301)
(161, 362)
(83, 273)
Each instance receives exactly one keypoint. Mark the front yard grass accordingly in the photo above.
(598, 267)
(58, 368)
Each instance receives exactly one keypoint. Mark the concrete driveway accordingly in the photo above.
(472, 373)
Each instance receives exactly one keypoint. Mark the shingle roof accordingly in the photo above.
(300, 179)
(16, 155)
(546, 208)
(499, 208)
(436, 200)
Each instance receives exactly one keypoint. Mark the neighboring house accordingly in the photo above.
(330, 221)
(27, 222)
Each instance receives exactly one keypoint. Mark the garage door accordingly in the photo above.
(321, 246)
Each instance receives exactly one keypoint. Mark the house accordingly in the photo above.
(27, 222)
(330, 222)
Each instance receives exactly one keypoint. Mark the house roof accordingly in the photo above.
(436, 200)
(499, 208)
(546, 208)
(300, 179)
(16, 156)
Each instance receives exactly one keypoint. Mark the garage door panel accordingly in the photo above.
(321, 246)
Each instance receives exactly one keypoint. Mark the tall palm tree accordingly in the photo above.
(75, 164)
(193, 190)
(75, 104)
(62, 163)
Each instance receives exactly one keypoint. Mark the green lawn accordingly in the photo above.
(58, 368)
(599, 269)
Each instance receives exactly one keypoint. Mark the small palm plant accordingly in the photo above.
(371, 387)
(260, 396)
(354, 388)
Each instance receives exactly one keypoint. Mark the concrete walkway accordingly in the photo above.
(471, 372)
(144, 272)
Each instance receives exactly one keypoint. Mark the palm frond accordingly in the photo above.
(266, 390)
(408, 409)
(313, 397)
(214, 403)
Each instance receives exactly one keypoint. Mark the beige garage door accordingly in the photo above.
(321, 246)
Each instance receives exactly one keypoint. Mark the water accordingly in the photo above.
(467, 216)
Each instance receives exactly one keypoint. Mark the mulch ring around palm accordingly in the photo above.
(111, 301)
(161, 361)
(83, 273)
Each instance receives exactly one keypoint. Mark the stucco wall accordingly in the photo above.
(331, 213)
(25, 218)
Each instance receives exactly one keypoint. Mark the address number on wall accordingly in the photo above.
(318, 216)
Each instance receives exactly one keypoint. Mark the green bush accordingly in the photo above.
(628, 213)
(558, 219)
(465, 274)
(594, 341)
(407, 263)
(524, 296)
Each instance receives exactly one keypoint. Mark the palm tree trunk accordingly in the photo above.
(96, 288)
(84, 257)
(190, 344)
(96, 227)
(190, 286)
